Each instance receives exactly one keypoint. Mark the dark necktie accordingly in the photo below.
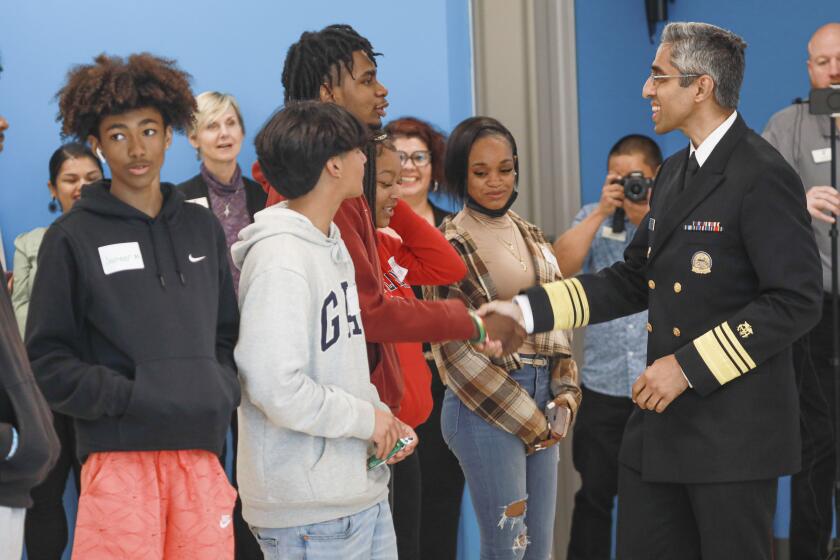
(690, 170)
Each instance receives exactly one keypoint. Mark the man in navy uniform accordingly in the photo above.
(727, 266)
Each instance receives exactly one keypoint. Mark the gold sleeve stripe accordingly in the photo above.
(733, 355)
(568, 304)
(576, 310)
(582, 300)
(723, 354)
(715, 358)
(561, 304)
(737, 345)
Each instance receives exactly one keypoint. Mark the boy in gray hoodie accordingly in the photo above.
(309, 412)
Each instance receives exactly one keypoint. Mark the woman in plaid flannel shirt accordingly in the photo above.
(494, 417)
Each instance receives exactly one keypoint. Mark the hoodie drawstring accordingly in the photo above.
(178, 272)
(158, 271)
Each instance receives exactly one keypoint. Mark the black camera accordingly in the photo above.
(825, 101)
(636, 186)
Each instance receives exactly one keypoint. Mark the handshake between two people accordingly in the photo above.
(505, 327)
(655, 389)
(505, 319)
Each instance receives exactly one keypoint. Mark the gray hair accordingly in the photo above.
(701, 48)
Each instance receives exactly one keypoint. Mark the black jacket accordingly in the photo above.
(133, 322)
(21, 406)
(729, 272)
(255, 196)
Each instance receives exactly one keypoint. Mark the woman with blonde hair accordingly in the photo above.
(216, 134)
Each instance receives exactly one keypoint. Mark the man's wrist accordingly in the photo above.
(682, 372)
(600, 214)
(524, 305)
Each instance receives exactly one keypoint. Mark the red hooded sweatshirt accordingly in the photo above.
(421, 256)
(386, 320)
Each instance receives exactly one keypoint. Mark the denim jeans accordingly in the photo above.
(368, 534)
(501, 478)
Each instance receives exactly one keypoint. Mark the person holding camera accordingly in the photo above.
(804, 141)
(614, 352)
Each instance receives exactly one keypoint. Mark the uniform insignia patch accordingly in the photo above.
(703, 226)
(701, 262)
(745, 330)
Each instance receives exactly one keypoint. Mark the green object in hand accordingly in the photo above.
(373, 461)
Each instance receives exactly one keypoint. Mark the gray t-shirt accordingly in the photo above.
(803, 140)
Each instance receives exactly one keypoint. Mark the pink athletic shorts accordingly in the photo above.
(154, 505)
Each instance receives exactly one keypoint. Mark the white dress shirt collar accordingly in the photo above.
(706, 146)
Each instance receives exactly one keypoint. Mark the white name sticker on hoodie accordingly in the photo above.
(201, 201)
(397, 270)
(121, 256)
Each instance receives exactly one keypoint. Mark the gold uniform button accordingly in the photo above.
(649, 327)
(651, 284)
(677, 287)
(676, 331)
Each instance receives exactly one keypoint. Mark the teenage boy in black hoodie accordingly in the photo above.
(132, 326)
(28, 444)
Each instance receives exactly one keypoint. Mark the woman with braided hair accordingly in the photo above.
(132, 325)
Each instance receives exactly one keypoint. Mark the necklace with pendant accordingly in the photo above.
(508, 245)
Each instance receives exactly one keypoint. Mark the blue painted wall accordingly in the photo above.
(235, 47)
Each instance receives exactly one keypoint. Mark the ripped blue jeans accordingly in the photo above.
(501, 477)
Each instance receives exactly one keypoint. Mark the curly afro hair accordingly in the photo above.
(113, 85)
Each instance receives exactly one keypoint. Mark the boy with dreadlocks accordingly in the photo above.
(132, 325)
(337, 65)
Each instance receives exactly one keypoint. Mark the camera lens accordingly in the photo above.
(635, 187)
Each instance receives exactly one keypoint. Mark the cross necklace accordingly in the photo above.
(227, 201)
